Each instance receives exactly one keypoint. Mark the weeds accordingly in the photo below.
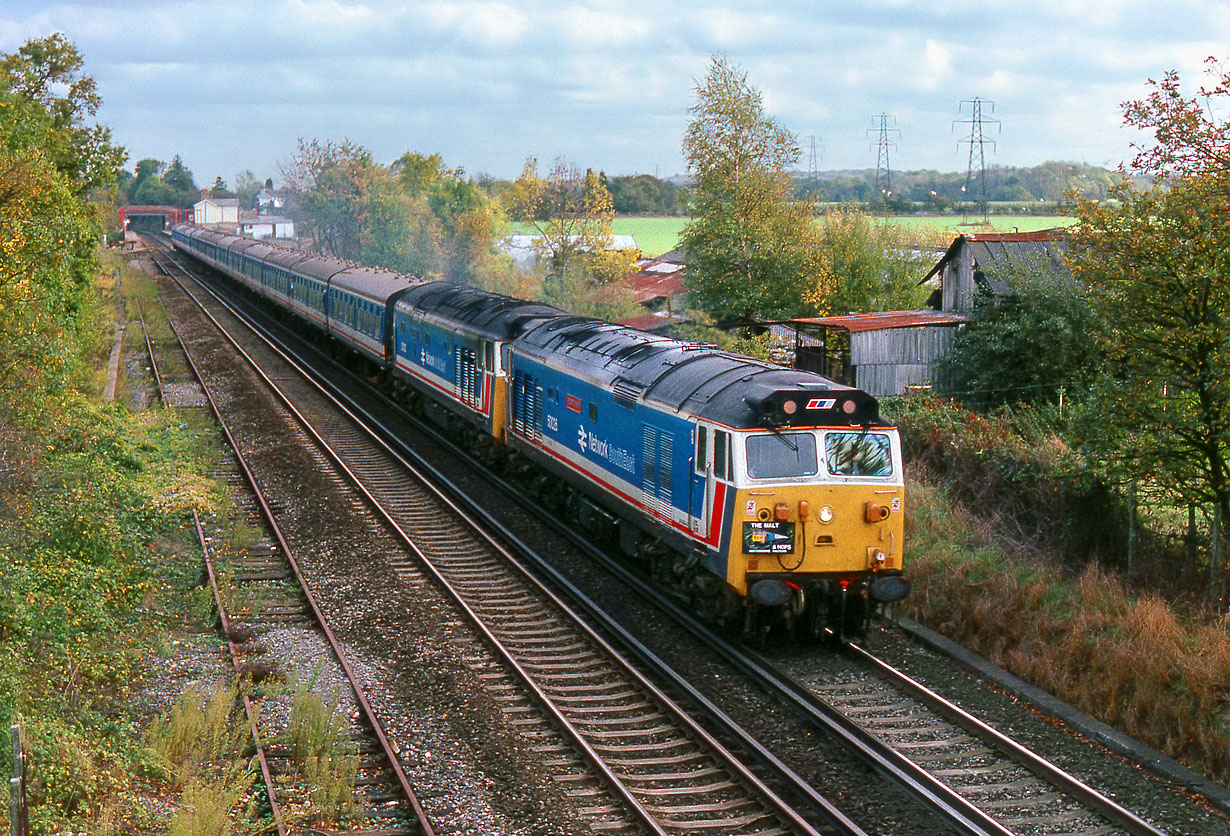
(200, 736)
(318, 736)
(208, 806)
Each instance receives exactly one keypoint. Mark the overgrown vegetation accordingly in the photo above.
(1133, 660)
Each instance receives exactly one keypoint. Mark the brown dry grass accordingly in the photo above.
(1132, 662)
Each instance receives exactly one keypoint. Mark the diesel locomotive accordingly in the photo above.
(766, 495)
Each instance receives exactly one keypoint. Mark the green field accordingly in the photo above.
(656, 236)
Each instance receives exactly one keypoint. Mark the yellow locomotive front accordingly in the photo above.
(816, 522)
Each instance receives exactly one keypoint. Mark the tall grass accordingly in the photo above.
(318, 735)
(1133, 662)
(199, 736)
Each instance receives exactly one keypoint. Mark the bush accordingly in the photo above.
(1132, 662)
(1015, 471)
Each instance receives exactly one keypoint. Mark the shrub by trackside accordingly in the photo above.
(1015, 472)
(92, 545)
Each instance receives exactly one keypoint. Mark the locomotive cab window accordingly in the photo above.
(781, 455)
(721, 454)
(593, 412)
(858, 454)
(702, 449)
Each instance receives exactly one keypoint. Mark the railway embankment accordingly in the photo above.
(1018, 553)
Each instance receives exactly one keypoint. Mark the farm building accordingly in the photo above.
(975, 264)
(882, 353)
(656, 283)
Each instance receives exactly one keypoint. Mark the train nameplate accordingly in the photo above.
(768, 538)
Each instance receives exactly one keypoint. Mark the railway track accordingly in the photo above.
(616, 742)
(996, 789)
(267, 593)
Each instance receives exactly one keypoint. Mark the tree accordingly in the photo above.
(571, 213)
(865, 266)
(246, 187)
(49, 161)
(331, 181)
(1159, 261)
(48, 103)
(179, 178)
(467, 221)
(753, 252)
(1027, 347)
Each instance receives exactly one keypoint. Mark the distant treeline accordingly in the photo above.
(1048, 186)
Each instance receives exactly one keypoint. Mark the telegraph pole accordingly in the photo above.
(976, 142)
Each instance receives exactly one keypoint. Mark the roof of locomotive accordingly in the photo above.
(698, 380)
(482, 312)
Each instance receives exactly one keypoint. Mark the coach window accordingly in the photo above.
(702, 448)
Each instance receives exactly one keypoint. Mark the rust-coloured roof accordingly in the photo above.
(855, 323)
(655, 279)
(648, 322)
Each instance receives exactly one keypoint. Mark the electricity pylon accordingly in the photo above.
(884, 172)
(976, 142)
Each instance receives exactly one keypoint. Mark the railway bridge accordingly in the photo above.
(152, 218)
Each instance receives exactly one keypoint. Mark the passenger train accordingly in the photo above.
(766, 495)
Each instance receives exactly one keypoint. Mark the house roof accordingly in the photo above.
(996, 250)
(855, 323)
(655, 279)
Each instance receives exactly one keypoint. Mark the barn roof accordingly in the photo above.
(655, 279)
(856, 323)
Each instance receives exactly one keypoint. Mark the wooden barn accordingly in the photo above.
(882, 353)
(974, 264)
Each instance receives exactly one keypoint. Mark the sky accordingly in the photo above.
(232, 85)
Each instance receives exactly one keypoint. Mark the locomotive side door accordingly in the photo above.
(712, 471)
(702, 480)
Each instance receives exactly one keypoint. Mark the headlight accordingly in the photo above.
(825, 514)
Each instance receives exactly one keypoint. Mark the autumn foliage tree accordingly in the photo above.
(51, 158)
(752, 249)
(570, 213)
(416, 215)
(1159, 261)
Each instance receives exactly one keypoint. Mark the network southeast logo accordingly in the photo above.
(621, 458)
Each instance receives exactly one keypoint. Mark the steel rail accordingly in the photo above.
(153, 361)
(1044, 769)
(274, 808)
